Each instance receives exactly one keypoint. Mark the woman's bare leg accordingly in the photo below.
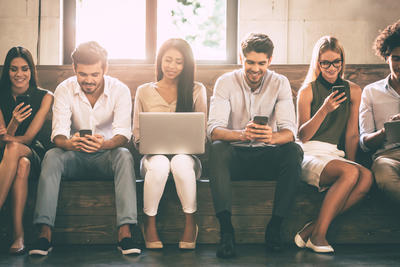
(8, 166)
(19, 195)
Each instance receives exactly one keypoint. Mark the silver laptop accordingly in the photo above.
(392, 130)
(172, 132)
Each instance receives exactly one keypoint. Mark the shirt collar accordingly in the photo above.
(386, 83)
(246, 85)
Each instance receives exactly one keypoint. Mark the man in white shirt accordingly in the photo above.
(102, 105)
(247, 148)
(380, 103)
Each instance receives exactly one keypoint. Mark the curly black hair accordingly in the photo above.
(387, 40)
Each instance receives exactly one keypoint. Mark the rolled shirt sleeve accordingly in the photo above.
(220, 108)
(62, 112)
(367, 124)
(138, 107)
(121, 124)
(284, 108)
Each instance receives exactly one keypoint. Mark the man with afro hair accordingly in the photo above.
(380, 103)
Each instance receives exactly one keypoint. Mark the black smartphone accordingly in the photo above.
(22, 99)
(84, 132)
(262, 120)
(339, 88)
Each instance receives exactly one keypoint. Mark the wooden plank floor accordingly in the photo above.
(204, 255)
(86, 215)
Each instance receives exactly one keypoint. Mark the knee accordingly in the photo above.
(12, 148)
(350, 175)
(365, 181)
(220, 150)
(157, 168)
(292, 153)
(24, 166)
(182, 166)
(55, 153)
(381, 166)
(121, 154)
(179, 162)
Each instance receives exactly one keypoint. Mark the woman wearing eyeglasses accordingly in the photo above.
(327, 115)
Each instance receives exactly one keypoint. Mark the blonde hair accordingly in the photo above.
(325, 43)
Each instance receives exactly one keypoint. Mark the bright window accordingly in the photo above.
(120, 30)
(133, 30)
(201, 23)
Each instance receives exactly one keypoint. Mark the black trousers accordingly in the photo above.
(281, 163)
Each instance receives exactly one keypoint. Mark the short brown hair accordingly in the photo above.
(259, 43)
(89, 53)
(387, 40)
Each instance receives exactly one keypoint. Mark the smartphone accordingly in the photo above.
(262, 120)
(84, 132)
(22, 99)
(339, 88)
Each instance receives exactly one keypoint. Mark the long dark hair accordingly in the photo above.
(184, 102)
(17, 51)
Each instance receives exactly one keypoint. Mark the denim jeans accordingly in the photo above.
(58, 163)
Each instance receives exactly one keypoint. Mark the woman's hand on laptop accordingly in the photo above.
(395, 117)
(92, 143)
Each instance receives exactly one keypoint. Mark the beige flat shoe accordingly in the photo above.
(189, 245)
(151, 244)
(319, 249)
(298, 240)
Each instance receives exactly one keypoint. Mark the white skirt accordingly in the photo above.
(317, 155)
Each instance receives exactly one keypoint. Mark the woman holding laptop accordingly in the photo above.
(327, 111)
(174, 91)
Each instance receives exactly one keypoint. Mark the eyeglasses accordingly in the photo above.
(327, 64)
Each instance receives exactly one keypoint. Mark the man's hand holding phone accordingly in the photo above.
(259, 130)
(92, 143)
(76, 142)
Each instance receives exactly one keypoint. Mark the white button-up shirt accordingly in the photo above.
(233, 104)
(110, 116)
(379, 101)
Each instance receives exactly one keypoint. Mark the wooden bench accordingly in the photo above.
(86, 212)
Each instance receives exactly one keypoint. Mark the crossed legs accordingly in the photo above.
(349, 184)
(14, 173)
